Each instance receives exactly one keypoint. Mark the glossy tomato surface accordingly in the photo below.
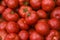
(23, 35)
(56, 13)
(12, 36)
(48, 5)
(53, 35)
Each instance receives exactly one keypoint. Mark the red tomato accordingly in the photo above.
(56, 13)
(22, 24)
(23, 35)
(2, 8)
(54, 23)
(23, 2)
(42, 14)
(53, 35)
(3, 3)
(42, 27)
(23, 10)
(2, 34)
(12, 27)
(57, 2)
(48, 5)
(35, 36)
(31, 17)
(35, 3)
(10, 15)
(12, 3)
(3, 25)
(12, 36)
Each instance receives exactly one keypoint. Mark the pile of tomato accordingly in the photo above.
(29, 19)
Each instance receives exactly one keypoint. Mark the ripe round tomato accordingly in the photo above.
(42, 14)
(23, 35)
(2, 34)
(12, 3)
(12, 36)
(48, 5)
(23, 10)
(23, 2)
(35, 36)
(31, 17)
(12, 27)
(10, 15)
(2, 8)
(56, 13)
(35, 3)
(22, 24)
(57, 2)
(42, 27)
(53, 35)
(54, 23)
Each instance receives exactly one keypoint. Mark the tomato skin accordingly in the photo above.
(53, 35)
(31, 18)
(23, 10)
(12, 36)
(35, 36)
(23, 35)
(22, 24)
(31, 31)
(42, 14)
(3, 34)
(10, 15)
(3, 3)
(57, 2)
(2, 8)
(56, 13)
(54, 23)
(42, 27)
(48, 5)
(12, 27)
(12, 3)
(35, 3)
(23, 2)
(3, 25)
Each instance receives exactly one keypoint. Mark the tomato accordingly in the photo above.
(42, 27)
(56, 13)
(12, 36)
(36, 36)
(12, 27)
(48, 5)
(3, 25)
(3, 3)
(42, 14)
(23, 10)
(53, 35)
(54, 23)
(22, 24)
(35, 3)
(12, 3)
(57, 2)
(10, 15)
(31, 18)
(23, 2)
(23, 35)
(2, 34)
(2, 8)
